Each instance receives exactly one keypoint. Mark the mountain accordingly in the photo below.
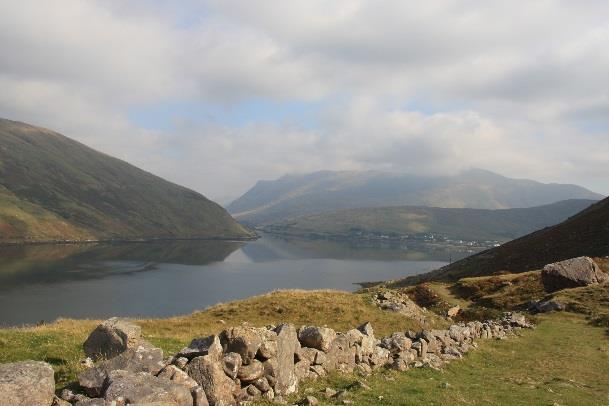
(586, 233)
(465, 224)
(295, 195)
(54, 188)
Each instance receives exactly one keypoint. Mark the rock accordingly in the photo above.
(397, 342)
(310, 401)
(111, 338)
(340, 355)
(301, 368)
(180, 362)
(453, 311)
(253, 391)
(144, 358)
(546, 306)
(571, 273)
(199, 398)
(287, 346)
(268, 349)
(97, 402)
(366, 329)
(60, 402)
(176, 375)
(379, 357)
(208, 373)
(270, 395)
(27, 383)
(262, 384)
(307, 354)
(231, 363)
(243, 340)
(201, 346)
(316, 337)
(251, 372)
(329, 393)
(142, 388)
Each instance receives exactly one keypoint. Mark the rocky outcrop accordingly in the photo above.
(572, 273)
(111, 338)
(27, 383)
(400, 303)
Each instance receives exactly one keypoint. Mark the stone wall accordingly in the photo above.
(246, 362)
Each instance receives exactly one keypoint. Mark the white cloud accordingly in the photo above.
(398, 85)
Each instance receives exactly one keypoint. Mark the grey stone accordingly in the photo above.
(316, 337)
(111, 338)
(27, 383)
(251, 372)
(262, 384)
(202, 346)
(208, 372)
(287, 347)
(199, 398)
(144, 358)
(231, 363)
(145, 389)
(176, 375)
(340, 355)
(571, 273)
(310, 401)
(244, 340)
(366, 329)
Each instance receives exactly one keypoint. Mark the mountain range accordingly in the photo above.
(296, 195)
(54, 188)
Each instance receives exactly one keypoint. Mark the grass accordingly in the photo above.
(551, 365)
(60, 343)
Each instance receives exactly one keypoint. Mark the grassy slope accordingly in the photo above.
(52, 185)
(469, 224)
(586, 233)
(551, 365)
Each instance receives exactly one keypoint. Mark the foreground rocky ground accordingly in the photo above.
(552, 362)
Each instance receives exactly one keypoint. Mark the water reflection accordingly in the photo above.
(168, 278)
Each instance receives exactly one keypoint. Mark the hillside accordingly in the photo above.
(54, 188)
(586, 233)
(466, 224)
(296, 195)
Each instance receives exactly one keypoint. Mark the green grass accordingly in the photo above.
(565, 361)
(60, 343)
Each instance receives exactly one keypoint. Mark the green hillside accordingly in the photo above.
(586, 233)
(466, 224)
(54, 188)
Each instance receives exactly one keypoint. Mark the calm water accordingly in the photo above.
(170, 278)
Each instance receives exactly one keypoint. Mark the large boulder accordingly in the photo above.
(143, 358)
(316, 337)
(27, 383)
(208, 372)
(111, 338)
(145, 389)
(572, 273)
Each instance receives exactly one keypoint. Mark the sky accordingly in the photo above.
(216, 95)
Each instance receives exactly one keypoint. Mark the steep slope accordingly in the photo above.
(466, 224)
(295, 195)
(586, 233)
(54, 188)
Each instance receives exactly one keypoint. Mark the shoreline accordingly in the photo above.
(124, 241)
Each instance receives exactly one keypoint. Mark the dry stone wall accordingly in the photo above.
(246, 362)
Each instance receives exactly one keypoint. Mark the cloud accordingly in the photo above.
(395, 85)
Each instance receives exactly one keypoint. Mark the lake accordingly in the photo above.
(160, 279)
